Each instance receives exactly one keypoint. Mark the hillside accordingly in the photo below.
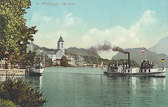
(138, 56)
(89, 57)
(80, 51)
(161, 46)
(72, 50)
(37, 48)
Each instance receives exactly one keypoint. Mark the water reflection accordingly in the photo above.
(137, 91)
(141, 82)
(151, 82)
(134, 84)
(87, 87)
(34, 81)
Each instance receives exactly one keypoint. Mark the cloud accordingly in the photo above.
(50, 28)
(148, 17)
(63, 21)
(71, 20)
(137, 35)
(71, 27)
(47, 19)
(39, 18)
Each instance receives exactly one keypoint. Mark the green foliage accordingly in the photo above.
(92, 59)
(81, 51)
(48, 61)
(20, 93)
(26, 59)
(7, 103)
(64, 61)
(14, 34)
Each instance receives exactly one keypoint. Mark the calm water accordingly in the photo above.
(88, 87)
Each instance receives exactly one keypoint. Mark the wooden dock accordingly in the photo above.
(13, 72)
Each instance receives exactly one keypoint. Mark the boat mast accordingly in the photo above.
(163, 60)
(144, 54)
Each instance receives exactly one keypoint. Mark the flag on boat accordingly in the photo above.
(143, 50)
(163, 60)
(101, 65)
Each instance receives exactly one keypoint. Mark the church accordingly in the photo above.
(58, 53)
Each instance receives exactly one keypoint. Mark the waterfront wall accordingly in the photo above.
(13, 72)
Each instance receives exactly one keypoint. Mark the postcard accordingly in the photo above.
(83, 53)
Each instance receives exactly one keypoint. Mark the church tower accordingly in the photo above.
(60, 44)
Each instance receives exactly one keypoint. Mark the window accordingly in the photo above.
(61, 45)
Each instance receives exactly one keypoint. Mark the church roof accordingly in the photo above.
(53, 52)
(60, 39)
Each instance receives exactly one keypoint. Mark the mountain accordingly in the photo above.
(161, 46)
(138, 56)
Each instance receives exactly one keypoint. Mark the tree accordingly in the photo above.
(48, 61)
(14, 34)
(7, 103)
(64, 61)
(20, 93)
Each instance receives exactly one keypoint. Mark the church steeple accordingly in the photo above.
(60, 44)
(60, 39)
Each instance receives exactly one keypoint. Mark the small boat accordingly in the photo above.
(38, 66)
(37, 69)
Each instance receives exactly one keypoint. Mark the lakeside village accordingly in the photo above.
(60, 57)
(57, 57)
(59, 53)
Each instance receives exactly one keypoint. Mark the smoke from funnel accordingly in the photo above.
(120, 50)
(105, 47)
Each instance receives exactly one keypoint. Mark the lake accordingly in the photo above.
(88, 87)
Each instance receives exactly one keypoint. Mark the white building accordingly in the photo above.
(58, 53)
(80, 61)
(71, 59)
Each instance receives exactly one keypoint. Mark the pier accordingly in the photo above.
(13, 72)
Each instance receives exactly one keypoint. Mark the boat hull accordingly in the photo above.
(150, 74)
(37, 72)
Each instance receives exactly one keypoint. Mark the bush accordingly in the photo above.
(7, 103)
(20, 93)
(64, 61)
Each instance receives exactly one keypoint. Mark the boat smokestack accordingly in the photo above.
(129, 60)
(124, 52)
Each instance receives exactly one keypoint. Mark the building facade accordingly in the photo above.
(58, 53)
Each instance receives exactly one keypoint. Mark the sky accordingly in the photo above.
(86, 23)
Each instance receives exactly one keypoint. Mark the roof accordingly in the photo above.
(53, 52)
(60, 39)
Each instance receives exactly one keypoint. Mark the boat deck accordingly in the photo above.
(149, 74)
